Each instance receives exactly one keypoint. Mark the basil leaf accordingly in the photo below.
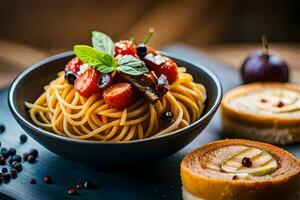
(131, 65)
(88, 55)
(102, 42)
(101, 61)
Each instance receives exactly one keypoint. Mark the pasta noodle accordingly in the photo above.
(61, 109)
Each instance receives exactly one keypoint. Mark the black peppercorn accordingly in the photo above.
(34, 152)
(32, 181)
(17, 158)
(72, 191)
(47, 179)
(89, 185)
(31, 159)
(2, 160)
(12, 151)
(6, 177)
(2, 128)
(79, 186)
(23, 138)
(246, 162)
(18, 167)
(166, 116)
(13, 173)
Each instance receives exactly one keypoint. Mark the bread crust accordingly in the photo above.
(198, 182)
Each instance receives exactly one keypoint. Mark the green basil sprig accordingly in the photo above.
(101, 57)
(102, 42)
(131, 65)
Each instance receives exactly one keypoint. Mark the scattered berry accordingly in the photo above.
(4, 170)
(6, 177)
(72, 191)
(12, 151)
(32, 181)
(89, 185)
(119, 96)
(31, 159)
(13, 173)
(18, 167)
(17, 158)
(23, 138)
(141, 50)
(2, 160)
(166, 116)
(34, 152)
(2, 128)
(25, 156)
(247, 162)
(48, 179)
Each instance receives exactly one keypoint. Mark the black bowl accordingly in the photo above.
(29, 85)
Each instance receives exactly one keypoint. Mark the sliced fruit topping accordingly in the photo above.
(125, 47)
(87, 83)
(162, 65)
(119, 96)
(251, 161)
(74, 66)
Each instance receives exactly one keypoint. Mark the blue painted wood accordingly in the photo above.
(158, 181)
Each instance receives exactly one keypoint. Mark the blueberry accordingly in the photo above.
(2, 128)
(34, 152)
(2, 160)
(13, 173)
(104, 81)
(141, 50)
(12, 151)
(70, 77)
(31, 159)
(6, 177)
(4, 170)
(89, 185)
(23, 138)
(25, 156)
(167, 116)
(17, 158)
(18, 167)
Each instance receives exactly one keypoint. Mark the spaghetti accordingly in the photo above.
(63, 110)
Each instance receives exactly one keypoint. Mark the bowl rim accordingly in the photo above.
(53, 135)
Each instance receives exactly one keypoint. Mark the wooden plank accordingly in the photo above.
(159, 180)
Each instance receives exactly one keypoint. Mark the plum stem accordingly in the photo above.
(265, 44)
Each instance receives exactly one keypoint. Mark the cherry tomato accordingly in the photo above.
(125, 47)
(86, 83)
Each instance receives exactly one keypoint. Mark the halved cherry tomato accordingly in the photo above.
(119, 96)
(125, 47)
(86, 83)
(74, 66)
(162, 65)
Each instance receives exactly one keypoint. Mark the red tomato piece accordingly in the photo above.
(87, 83)
(119, 96)
(162, 65)
(125, 47)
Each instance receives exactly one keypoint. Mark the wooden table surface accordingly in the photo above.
(15, 57)
(159, 180)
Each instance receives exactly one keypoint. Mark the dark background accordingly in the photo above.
(60, 24)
